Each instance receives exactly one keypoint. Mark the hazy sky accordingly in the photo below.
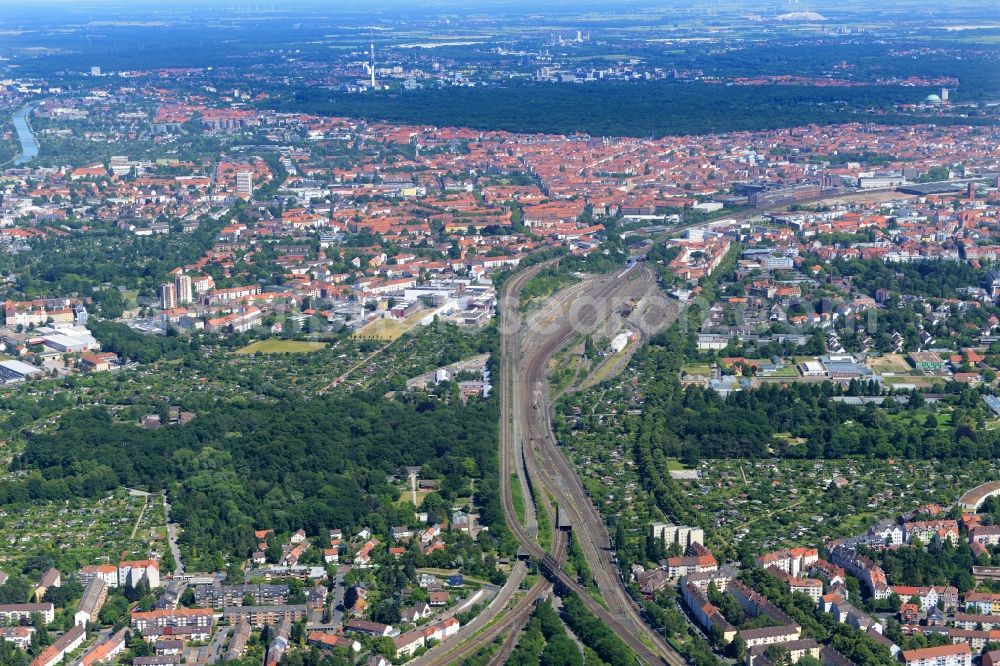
(132, 9)
(606, 5)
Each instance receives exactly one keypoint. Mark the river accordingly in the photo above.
(29, 144)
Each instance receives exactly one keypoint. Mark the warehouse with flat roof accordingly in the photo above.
(17, 371)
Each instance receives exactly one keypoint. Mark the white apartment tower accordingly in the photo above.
(244, 183)
(168, 296)
(183, 289)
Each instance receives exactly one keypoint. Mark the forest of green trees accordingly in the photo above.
(314, 464)
(656, 108)
(595, 634)
(102, 257)
(933, 279)
(545, 641)
(693, 422)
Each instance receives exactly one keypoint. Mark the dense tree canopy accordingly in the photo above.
(315, 465)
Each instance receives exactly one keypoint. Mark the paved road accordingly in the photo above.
(216, 649)
(337, 609)
(138, 520)
(172, 533)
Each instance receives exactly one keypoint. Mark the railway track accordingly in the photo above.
(516, 616)
(508, 621)
(524, 401)
(536, 462)
(535, 468)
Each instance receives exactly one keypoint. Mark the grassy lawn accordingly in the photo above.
(893, 363)
(675, 465)
(4, 357)
(281, 347)
(562, 371)
(919, 382)
(544, 528)
(788, 439)
(390, 329)
(919, 417)
(607, 366)
(700, 369)
(129, 295)
(517, 498)
(406, 497)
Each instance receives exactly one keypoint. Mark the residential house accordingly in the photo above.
(62, 646)
(943, 655)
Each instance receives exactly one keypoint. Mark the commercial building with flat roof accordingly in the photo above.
(928, 361)
(16, 371)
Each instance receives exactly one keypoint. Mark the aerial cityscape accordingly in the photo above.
(562, 333)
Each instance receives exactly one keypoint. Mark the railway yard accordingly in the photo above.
(530, 454)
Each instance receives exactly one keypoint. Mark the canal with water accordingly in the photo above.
(29, 144)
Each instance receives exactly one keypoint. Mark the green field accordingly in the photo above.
(406, 497)
(390, 328)
(700, 369)
(517, 498)
(281, 347)
(544, 526)
(919, 417)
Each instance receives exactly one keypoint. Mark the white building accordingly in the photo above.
(23, 612)
(943, 655)
(679, 534)
(131, 573)
(619, 343)
(16, 371)
(168, 296)
(244, 183)
(62, 646)
(183, 289)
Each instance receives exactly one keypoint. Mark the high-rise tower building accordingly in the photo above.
(183, 289)
(244, 183)
(168, 296)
